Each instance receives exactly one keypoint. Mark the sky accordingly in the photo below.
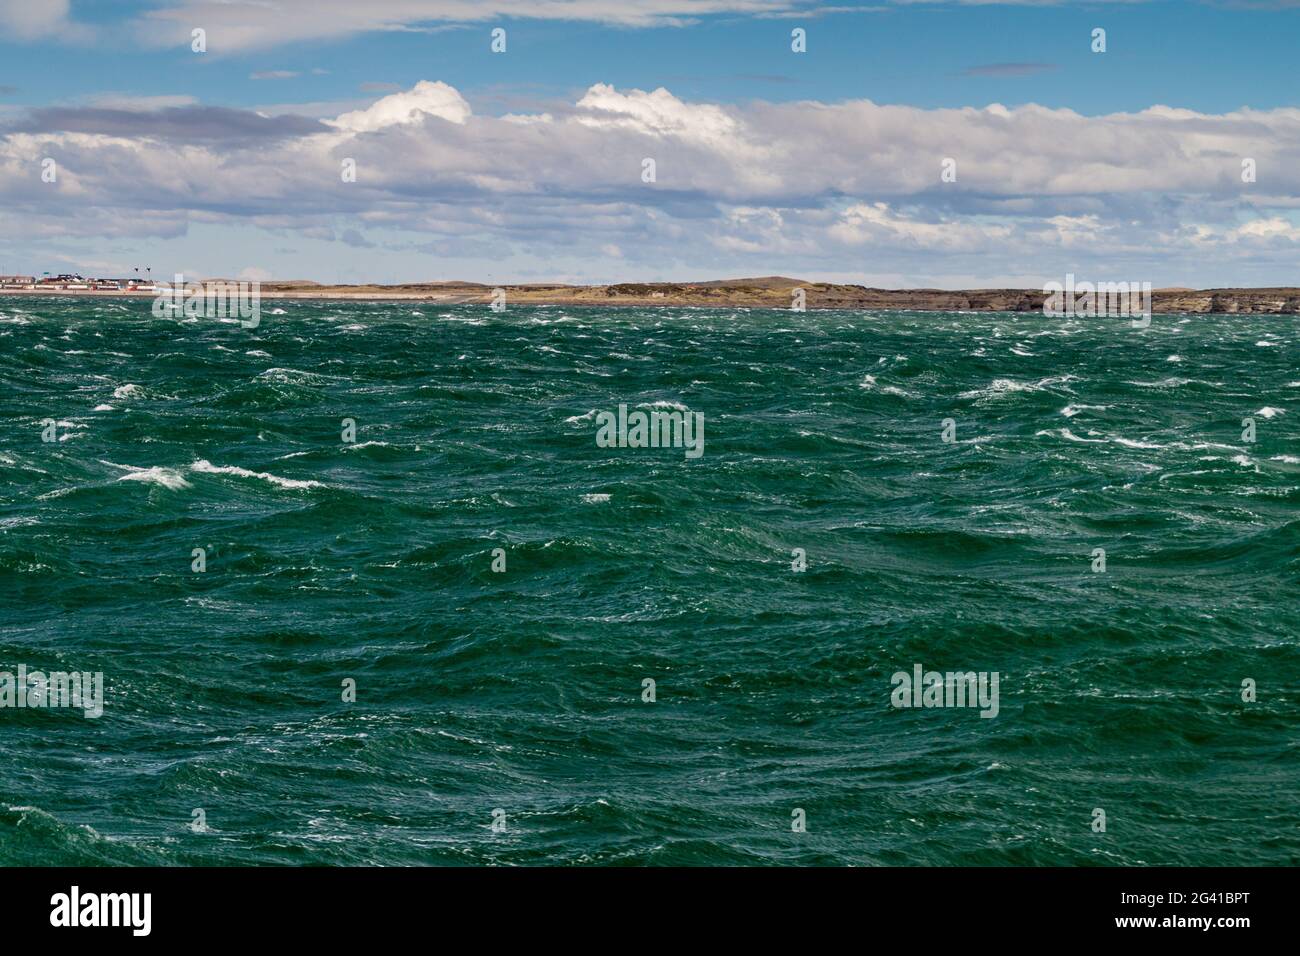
(908, 144)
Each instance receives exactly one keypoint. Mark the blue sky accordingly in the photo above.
(1202, 56)
(740, 99)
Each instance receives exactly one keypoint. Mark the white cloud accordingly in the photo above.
(425, 99)
(34, 19)
(876, 224)
(236, 25)
(242, 25)
(140, 104)
(839, 186)
(658, 114)
(1257, 232)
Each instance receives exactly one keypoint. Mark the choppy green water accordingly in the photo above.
(522, 690)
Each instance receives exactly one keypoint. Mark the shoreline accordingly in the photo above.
(755, 294)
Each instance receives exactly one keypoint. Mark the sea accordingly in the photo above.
(364, 588)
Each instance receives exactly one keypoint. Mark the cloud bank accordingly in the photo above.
(833, 188)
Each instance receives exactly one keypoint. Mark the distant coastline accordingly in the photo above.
(772, 292)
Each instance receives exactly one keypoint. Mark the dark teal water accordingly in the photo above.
(522, 690)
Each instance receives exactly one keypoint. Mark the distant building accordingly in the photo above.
(74, 281)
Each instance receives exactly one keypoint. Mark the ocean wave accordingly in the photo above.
(869, 382)
(387, 572)
(1171, 382)
(294, 376)
(29, 833)
(1006, 386)
(164, 477)
(1071, 436)
(203, 466)
(1069, 411)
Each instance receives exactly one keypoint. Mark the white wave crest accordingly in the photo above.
(206, 467)
(163, 477)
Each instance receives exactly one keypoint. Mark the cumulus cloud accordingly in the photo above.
(424, 99)
(658, 113)
(834, 185)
